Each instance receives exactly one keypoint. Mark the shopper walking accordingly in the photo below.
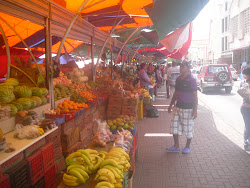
(244, 92)
(185, 101)
(144, 79)
(173, 73)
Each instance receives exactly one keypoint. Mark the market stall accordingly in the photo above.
(61, 124)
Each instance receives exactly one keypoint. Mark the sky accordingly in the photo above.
(202, 21)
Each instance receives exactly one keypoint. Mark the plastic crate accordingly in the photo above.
(58, 153)
(60, 165)
(27, 152)
(59, 119)
(19, 175)
(4, 182)
(48, 156)
(39, 184)
(68, 115)
(50, 177)
(35, 163)
(56, 141)
(12, 162)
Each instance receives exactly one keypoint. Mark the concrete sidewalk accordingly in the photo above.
(217, 158)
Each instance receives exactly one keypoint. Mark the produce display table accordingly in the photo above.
(19, 145)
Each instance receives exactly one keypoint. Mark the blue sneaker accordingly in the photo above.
(186, 151)
(173, 149)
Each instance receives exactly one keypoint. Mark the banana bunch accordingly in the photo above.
(80, 164)
(41, 131)
(112, 168)
(76, 175)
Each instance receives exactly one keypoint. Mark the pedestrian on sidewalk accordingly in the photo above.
(185, 101)
(172, 74)
(244, 92)
(145, 81)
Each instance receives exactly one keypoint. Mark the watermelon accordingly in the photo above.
(18, 105)
(33, 103)
(36, 91)
(44, 91)
(12, 82)
(44, 100)
(6, 95)
(13, 109)
(6, 86)
(25, 102)
(37, 99)
(23, 92)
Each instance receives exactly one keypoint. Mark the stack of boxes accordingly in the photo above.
(130, 106)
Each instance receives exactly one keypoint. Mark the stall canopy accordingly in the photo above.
(33, 35)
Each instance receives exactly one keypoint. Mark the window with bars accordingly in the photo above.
(234, 27)
(222, 25)
(246, 21)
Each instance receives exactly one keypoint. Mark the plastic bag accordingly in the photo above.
(124, 140)
(28, 132)
(103, 134)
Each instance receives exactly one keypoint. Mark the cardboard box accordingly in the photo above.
(70, 138)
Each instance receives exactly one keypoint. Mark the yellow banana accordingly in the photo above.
(69, 177)
(70, 183)
(91, 151)
(114, 158)
(115, 154)
(107, 173)
(76, 166)
(75, 173)
(121, 150)
(103, 183)
(98, 163)
(102, 155)
(86, 159)
(103, 178)
(82, 172)
(109, 162)
(112, 170)
(73, 155)
(84, 152)
(118, 185)
(74, 160)
(120, 167)
(119, 180)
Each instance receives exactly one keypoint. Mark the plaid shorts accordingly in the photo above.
(182, 122)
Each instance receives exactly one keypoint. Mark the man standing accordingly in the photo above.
(185, 100)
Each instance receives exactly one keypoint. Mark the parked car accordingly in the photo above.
(235, 74)
(215, 76)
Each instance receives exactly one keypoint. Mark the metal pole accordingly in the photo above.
(7, 48)
(48, 58)
(92, 58)
(111, 63)
(68, 30)
(75, 50)
(126, 43)
(66, 54)
(104, 44)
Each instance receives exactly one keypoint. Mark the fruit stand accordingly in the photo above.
(45, 118)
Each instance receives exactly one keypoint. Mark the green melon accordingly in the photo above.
(36, 91)
(13, 109)
(6, 95)
(37, 99)
(23, 92)
(33, 103)
(44, 100)
(44, 91)
(12, 82)
(18, 105)
(3, 85)
(25, 102)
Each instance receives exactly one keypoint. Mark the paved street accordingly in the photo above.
(225, 106)
(217, 158)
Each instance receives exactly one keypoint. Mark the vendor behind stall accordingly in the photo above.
(144, 79)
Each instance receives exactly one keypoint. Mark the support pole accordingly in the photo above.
(48, 59)
(68, 30)
(7, 48)
(111, 62)
(126, 43)
(105, 42)
(92, 58)
(75, 50)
